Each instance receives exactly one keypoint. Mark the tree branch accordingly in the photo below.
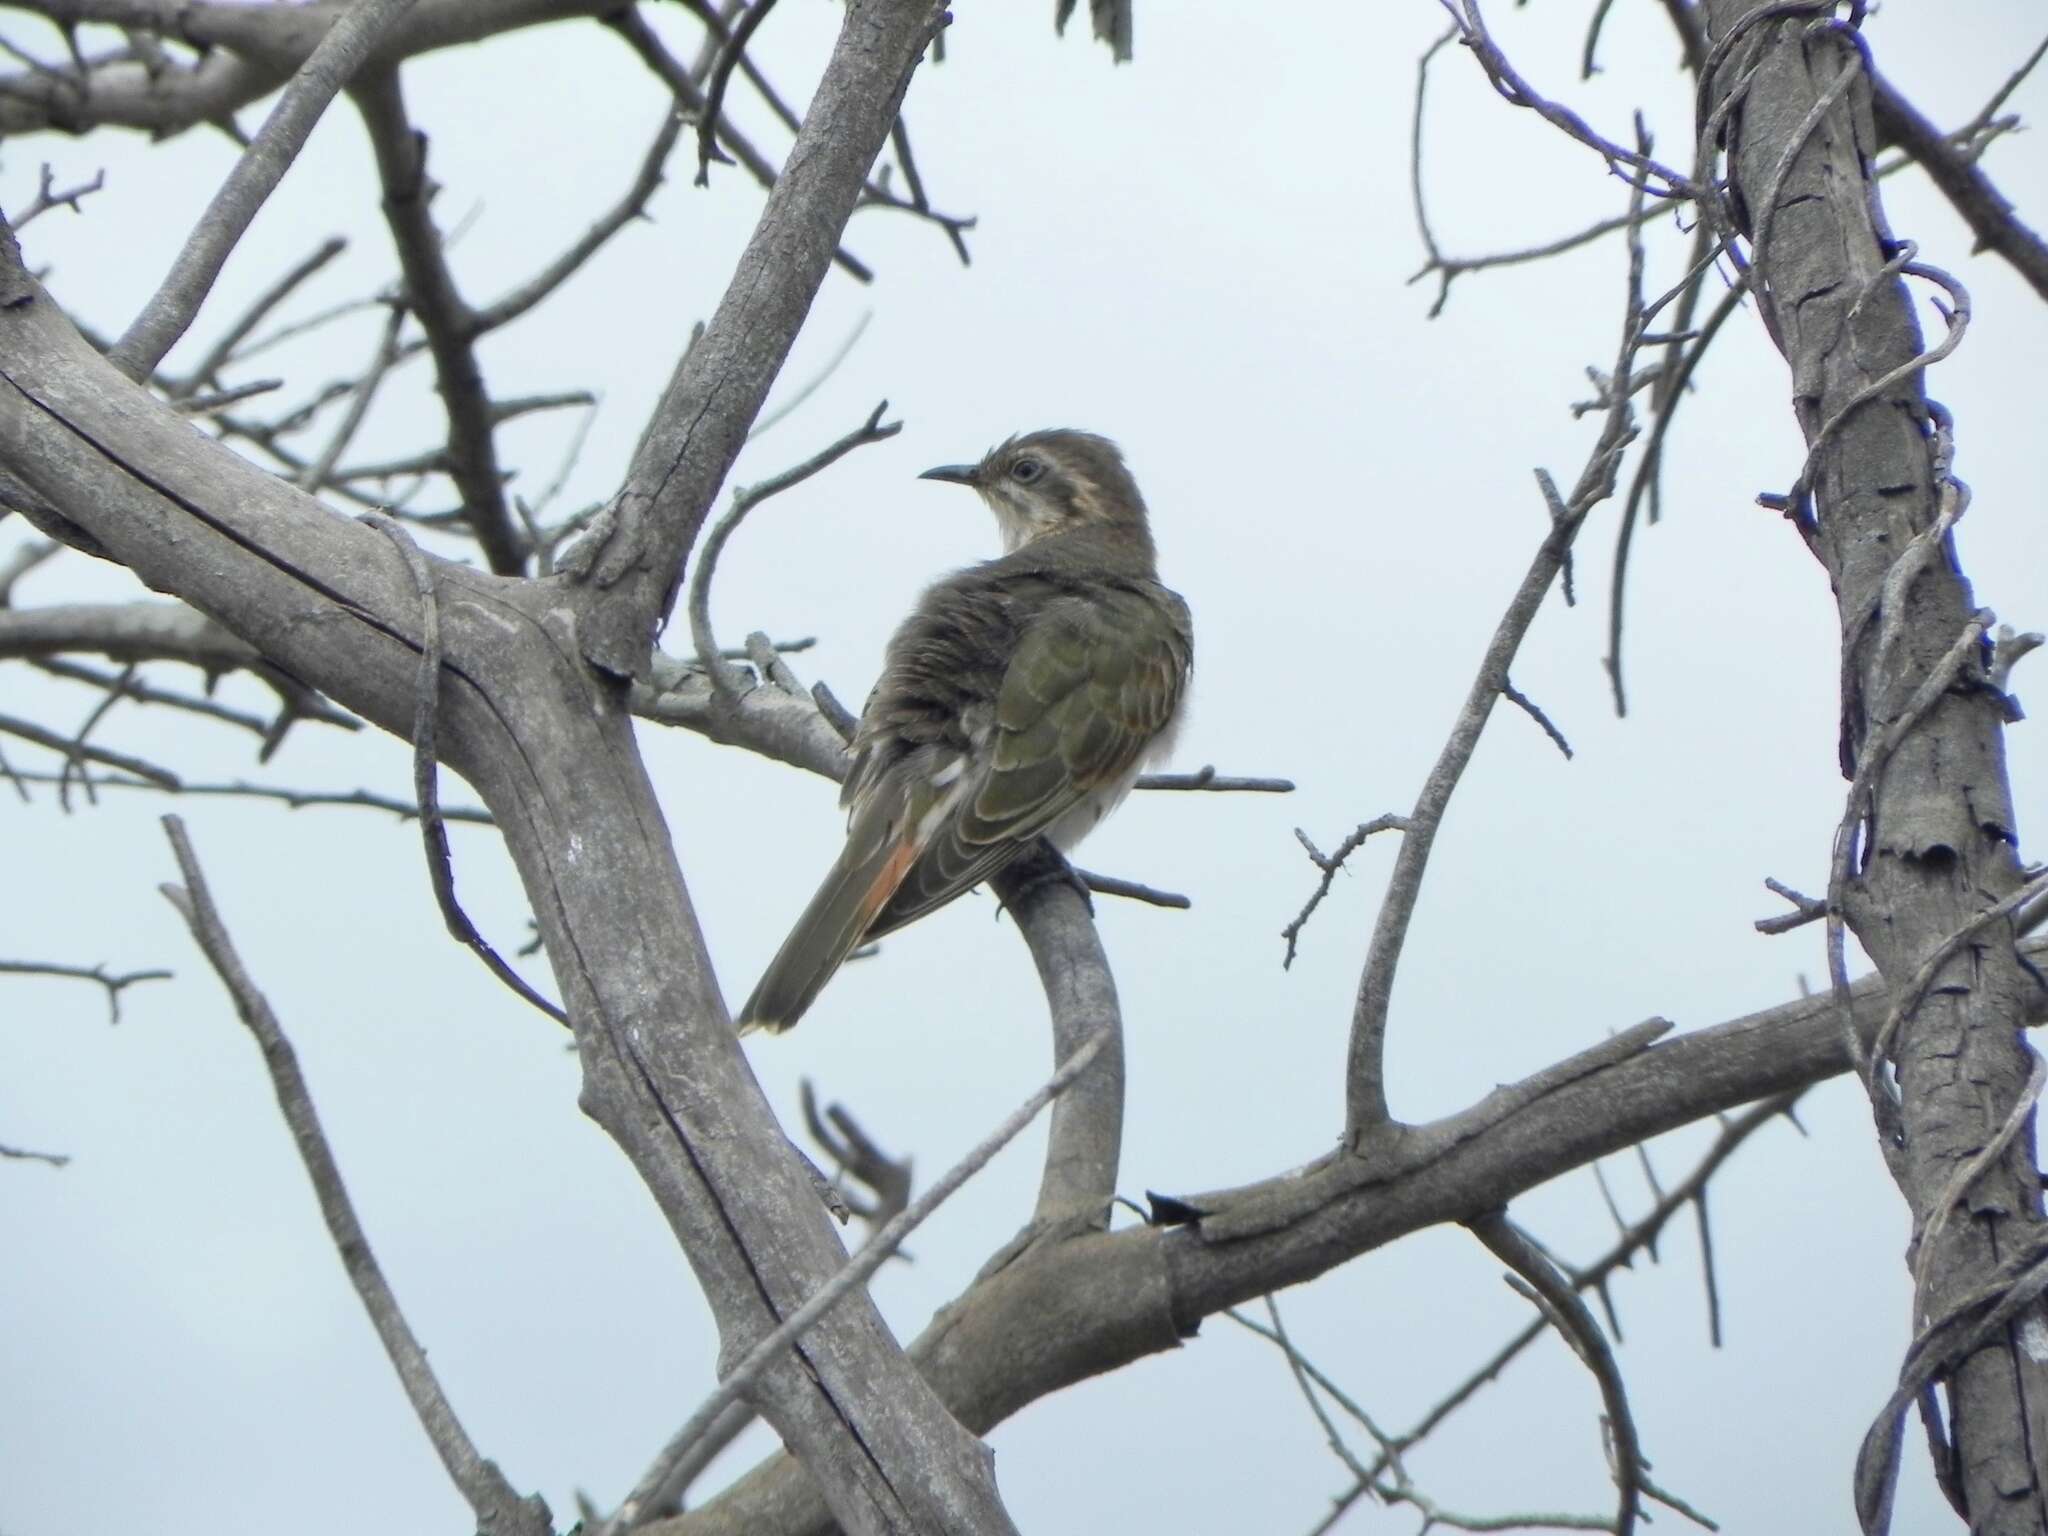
(339, 54)
(1097, 1303)
(246, 52)
(551, 751)
(482, 1485)
(115, 985)
(1559, 1301)
(654, 1487)
(744, 500)
(451, 325)
(1930, 835)
(702, 419)
(1990, 215)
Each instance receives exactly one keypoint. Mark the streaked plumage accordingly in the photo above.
(1020, 699)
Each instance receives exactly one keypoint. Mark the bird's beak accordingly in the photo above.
(959, 474)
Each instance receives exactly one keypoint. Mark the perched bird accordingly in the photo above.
(1019, 700)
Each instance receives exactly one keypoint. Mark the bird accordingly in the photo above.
(1020, 699)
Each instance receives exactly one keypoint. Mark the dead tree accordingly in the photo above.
(525, 675)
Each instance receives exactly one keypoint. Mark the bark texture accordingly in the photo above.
(1938, 842)
(549, 746)
(1065, 1311)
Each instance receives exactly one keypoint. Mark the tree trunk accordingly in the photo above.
(1934, 845)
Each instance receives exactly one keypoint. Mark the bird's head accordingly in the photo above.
(1052, 482)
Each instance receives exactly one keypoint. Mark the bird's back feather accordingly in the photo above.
(1019, 700)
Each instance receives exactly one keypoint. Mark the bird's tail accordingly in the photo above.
(858, 886)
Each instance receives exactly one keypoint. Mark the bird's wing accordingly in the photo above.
(1091, 684)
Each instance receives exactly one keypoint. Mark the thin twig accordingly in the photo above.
(1276, 1335)
(1673, 388)
(30, 1155)
(489, 1495)
(1560, 1302)
(1805, 909)
(1534, 711)
(1956, 171)
(444, 315)
(1366, 1112)
(222, 350)
(113, 695)
(724, 677)
(140, 691)
(98, 973)
(856, 1153)
(49, 195)
(628, 208)
(295, 799)
(425, 768)
(1516, 91)
(24, 559)
(683, 84)
(1132, 890)
(1332, 1436)
(212, 403)
(317, 473)
(899, 139)
(1329, 864)
(782, 409)
(81, 752)
(1207, 778)
(714, 93)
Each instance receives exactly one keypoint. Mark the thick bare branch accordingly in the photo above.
(246, 52)
(1096, 1303)
(145, 630)
(552, 753)
(1085, 1141)
(654, 1486)
(702, 419)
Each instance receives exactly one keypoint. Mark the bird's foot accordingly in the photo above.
(1043, 866)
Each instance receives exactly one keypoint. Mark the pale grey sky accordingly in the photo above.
(1203, 255)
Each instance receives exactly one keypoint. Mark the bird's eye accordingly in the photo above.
(1024, 471)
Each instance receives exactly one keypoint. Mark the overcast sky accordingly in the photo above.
(1203, 255)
